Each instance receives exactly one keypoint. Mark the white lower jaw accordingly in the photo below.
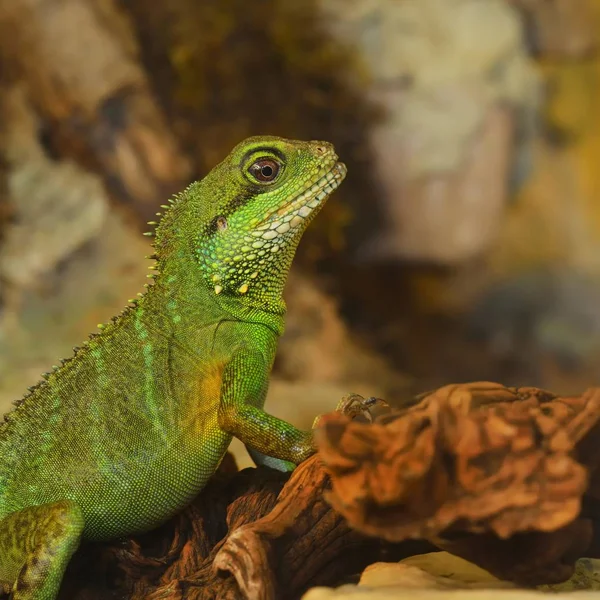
(303, 206)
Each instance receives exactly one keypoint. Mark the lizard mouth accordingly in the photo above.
(296, 212)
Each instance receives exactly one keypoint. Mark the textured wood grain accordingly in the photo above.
(494, 474)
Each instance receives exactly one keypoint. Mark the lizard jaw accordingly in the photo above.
(294, 214)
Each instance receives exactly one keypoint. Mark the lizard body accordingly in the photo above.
(126, 432)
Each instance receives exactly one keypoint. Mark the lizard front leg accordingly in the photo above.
(36, 544)
(243, 388)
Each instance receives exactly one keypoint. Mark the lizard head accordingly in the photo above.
(257, 204)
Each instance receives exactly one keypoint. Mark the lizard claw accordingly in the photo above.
(356, 406)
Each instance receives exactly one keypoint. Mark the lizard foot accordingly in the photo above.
(356, 406)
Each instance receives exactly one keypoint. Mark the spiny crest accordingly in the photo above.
(166, 207)
(159, 238)
(153, 233)
(65, 362)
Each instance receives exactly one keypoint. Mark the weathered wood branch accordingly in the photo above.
(496, 475)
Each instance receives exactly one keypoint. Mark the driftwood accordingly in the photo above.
(496, 475)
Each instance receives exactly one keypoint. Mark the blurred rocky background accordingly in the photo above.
(464, 245)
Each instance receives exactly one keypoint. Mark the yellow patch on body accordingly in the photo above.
(201, 410)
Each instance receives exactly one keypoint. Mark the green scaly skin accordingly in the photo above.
(126, 432)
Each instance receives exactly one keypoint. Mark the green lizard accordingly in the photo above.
(126, 432)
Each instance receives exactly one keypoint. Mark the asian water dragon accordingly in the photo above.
(127, 431)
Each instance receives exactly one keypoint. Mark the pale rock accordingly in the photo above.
(442, 576)
(458, 89)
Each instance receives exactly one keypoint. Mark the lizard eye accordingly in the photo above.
(264, 169)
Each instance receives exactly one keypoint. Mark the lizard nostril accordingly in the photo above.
(320, 149)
